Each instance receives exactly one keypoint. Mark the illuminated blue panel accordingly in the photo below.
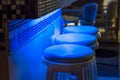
(23, 31)
(26, 58)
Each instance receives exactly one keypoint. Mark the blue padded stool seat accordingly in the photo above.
(70, 62)
(68, 53)
(92, 30)
(75, 38)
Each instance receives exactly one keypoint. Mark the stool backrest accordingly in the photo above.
(89, 12)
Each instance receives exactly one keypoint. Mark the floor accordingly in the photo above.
(108, 60)
(107, 72)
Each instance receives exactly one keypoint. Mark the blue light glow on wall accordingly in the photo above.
(20, 31)
(27, 43)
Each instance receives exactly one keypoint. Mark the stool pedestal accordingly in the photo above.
(72, 71)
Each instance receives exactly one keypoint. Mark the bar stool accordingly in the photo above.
(74, 62)
(76, 38)
(91, 30)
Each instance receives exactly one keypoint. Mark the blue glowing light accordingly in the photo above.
(27, 43)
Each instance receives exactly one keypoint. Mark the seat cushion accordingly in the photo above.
(81, 29)
(68, 53)
(75, 38)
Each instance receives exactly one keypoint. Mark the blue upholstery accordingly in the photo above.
(92, 30)
(75, 38)
(89, 12)
(67, 53)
